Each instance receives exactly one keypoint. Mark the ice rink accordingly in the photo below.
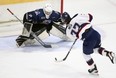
(39, 62)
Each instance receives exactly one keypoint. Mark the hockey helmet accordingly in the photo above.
(65, 18)
(48, 9)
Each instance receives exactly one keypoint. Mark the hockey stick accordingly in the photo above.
(14, 15)
(32, 33)
(67, 53)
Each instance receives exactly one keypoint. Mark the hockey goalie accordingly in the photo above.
(42, 22)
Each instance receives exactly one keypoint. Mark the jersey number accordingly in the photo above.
(74, 31)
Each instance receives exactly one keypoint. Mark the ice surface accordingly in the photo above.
(39, 62)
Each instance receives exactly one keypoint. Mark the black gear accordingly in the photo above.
(21, 39)
(49, 27)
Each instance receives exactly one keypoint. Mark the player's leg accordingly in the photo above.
(88, 46)
(111, 55)
(90, 62)
(26, 38)
(25, 34)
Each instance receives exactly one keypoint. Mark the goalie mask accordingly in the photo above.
(48, 9)
(65, 18)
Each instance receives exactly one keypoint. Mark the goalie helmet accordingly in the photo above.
(65, 18)
(48, 9)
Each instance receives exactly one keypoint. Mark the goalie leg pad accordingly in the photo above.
(60, 31)
(20, 40)
(27, 29)
(25, 34)
(56, 32)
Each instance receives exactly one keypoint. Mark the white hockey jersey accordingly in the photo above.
(77, 22)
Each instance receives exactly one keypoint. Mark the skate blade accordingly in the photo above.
(96, 74)
(114, 60)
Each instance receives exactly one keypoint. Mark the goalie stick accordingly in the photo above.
(32, 33)
(61, 60)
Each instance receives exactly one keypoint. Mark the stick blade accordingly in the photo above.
(56, 60)
(51, 46)
(47, 46)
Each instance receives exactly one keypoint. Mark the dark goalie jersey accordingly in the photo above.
(39, 19)
(38, 16)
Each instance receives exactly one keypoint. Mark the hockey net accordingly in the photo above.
(8, 20)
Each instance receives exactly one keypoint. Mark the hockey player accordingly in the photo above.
(79, 26)
(38, 21)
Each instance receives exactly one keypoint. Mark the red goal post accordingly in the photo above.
(61, 5)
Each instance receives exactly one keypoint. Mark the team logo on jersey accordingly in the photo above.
(37, 13)
(30, 15)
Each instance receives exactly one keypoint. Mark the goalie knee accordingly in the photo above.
(27, 29)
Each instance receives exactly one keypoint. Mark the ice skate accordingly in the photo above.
(93, 71)
(112, 57)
